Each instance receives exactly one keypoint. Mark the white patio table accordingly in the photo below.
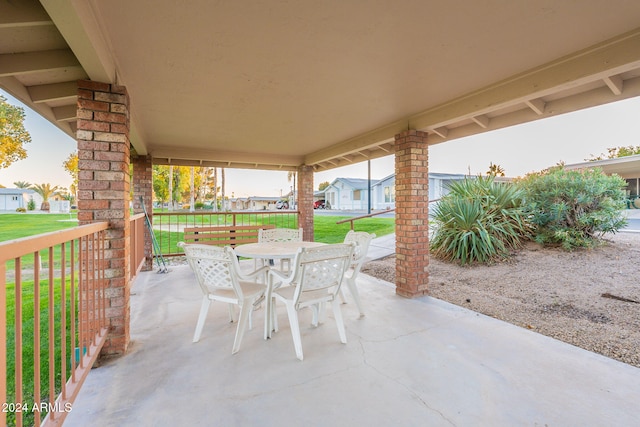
(272, 250)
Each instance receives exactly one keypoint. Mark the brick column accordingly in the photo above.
(305, 201)
(103, 192)
(142, 182)
(412, 213)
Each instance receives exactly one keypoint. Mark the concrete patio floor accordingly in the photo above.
(409, 362)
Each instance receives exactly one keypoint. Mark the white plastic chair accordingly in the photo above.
(218, 274)
(316, 278)
(362, 241)
(280, 235)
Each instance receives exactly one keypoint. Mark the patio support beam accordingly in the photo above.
(412, 213)
(142, 182)
(103, 193)
(305, 202)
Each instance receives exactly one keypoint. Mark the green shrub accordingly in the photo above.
(198, 205)
(574, 208)
(22, 210)
(31, 204)
(479, 220)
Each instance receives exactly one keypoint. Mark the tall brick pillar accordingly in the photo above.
(305, 201)
(103, 192)
(412, 213)
(142, 182)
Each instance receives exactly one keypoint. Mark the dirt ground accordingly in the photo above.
(588, 298)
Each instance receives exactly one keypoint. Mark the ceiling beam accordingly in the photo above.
(35, 62)
(365, 141)
(66, 113)
(15, 14)
(537, 105)
(53, 92)
(481, 120)
(615, 83)
(232, 157)
(442, 132)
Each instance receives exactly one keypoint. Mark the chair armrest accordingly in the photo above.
(280, 277)
(261, 271)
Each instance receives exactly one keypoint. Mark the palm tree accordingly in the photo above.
(45, 191)
(495, 170)
(22, 184)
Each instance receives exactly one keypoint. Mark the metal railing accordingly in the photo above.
(53, 321)
(355, 218)
(169, 226)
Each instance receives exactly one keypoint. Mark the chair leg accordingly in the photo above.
(353, 288)
(231, 313)
(295, 329)
(337, 313)
(204, 308)
(245, 312)
(270, 317)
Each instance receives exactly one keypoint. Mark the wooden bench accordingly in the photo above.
(224, 235)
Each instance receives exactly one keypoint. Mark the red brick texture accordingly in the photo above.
(143, 187)
(412, 213)
(103, 193)
(305, 202)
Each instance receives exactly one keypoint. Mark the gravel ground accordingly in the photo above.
(588, 298)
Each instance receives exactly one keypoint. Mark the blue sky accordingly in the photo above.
(571, 138)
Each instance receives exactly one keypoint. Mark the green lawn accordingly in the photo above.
(15, 226)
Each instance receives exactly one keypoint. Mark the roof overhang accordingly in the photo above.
(283, 84)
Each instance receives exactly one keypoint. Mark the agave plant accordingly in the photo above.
(479, 220)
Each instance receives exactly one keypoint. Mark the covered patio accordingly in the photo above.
(408, 362)
(306, 87)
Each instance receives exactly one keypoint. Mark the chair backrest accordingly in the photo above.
(362, 240)
(215, 267)
(318, 271)
(280, 235)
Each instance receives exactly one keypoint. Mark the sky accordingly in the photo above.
(571, 138)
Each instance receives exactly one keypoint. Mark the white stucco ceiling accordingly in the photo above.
(276, 84)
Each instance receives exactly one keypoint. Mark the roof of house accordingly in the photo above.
(14, 191)
(356, 183)
(626, 167)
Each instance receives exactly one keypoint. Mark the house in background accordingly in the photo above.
(627, 167)
(348, 193)
(14, 198)
(351, 193)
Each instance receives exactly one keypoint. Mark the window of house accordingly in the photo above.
(14, 198)
(357, 195)
(389, 194)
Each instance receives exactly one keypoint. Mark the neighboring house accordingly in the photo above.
(348, 193)
(256, 203)
(351, 193)
(383, 193)
(627, 167)
(14, 198)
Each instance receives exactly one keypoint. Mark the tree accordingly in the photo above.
(22, 184)
(495, 170)
(323, 185)
(45, 191)
(13, 135)
(574, 208)
(615, 152)
(71, 166)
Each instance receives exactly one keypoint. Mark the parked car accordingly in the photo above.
(319, 204)
(282, 204)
